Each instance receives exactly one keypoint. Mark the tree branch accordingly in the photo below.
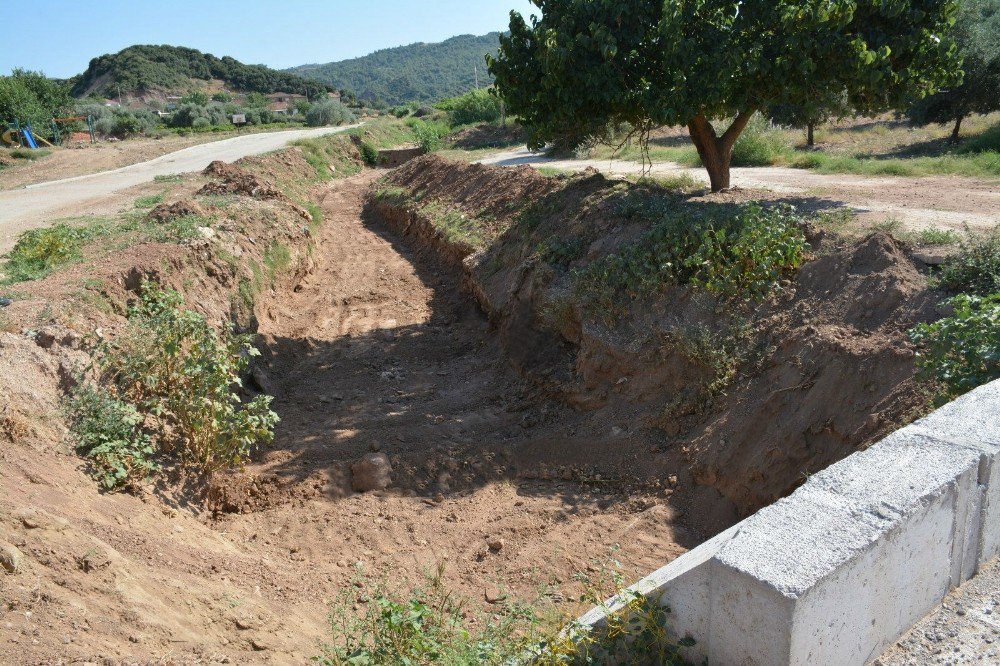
(739, 124)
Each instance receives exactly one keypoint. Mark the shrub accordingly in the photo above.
(172, 365)
(976, 269)
(962, 351)
(369, 153)
(328, 112)
(475, 106)
(759, 145)
(740, 255)
(109, 433)
(201, 123)
(428, 134)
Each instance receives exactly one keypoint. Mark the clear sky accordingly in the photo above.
(59, 37)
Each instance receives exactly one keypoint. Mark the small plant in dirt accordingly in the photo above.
(109, 433)
(173, 366)
(976, 269)
(736, 255)
(148, 201)
(960, 352)
(40, 251)
(936, 237)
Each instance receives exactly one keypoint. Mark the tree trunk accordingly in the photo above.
(810, 137)
(956, 130)
(717, 151)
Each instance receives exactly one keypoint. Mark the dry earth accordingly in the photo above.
(947, 202)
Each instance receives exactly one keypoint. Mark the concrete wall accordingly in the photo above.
(837, 571)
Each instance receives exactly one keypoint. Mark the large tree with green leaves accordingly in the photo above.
(977, 33)
(31, 97)
(651, 63)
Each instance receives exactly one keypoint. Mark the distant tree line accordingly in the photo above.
(143, 68)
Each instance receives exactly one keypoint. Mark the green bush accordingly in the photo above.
(759, 145)
(109, 432)
(976, 268)
(428, 134)
(741, 256)
(328, 112)
(172, 365)
(962, 351)
(369, 153)
(475, 106)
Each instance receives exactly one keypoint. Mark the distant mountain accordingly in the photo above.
(422, 72)
(141, 70)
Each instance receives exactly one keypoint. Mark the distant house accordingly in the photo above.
(172, 102)
(278, 107)
(335, 96)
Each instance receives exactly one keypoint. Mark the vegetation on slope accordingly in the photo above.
(423, 72)
(142, 68)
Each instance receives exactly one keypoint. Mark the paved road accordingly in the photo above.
(935, 201)
(36, 205)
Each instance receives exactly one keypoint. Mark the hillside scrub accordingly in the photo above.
(716, 60)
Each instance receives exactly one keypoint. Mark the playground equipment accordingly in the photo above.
(25, 137)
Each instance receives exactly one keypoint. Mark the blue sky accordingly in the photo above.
(63, 38)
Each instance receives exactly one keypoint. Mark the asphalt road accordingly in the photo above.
(37, 205)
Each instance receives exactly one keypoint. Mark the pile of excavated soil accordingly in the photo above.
(235, 180)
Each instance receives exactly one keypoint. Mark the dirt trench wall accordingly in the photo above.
(829, 367)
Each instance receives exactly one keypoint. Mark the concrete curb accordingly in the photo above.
(837, 571)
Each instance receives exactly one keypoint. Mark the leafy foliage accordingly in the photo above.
(39, 251)
(740, 255)
(976, 268)
(977, 32)
(428, 134)
(421, 72)
(328, 112)
(109, 432)
(142, 68)
(172, 365)
(475, 106)
(30, 97)
(649, 63)
(962, 351)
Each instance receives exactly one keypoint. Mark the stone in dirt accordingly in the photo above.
(11, 559)
(373, 472)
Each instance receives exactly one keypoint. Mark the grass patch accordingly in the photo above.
(169, 178)
(976, 268)
(277, 260)
(28, 153)
(454, 225)
(149, 201)
(936, 237)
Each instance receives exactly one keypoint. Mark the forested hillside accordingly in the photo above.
(425, 72)
(141, 69)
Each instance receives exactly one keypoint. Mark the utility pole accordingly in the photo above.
(475, 68)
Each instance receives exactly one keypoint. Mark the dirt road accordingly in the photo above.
(919, 203)
(36, 205)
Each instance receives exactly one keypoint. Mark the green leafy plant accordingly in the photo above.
(39, 251)
(148, 201)
(109, 432)
(428, 134)
(369, 153)
(962, 351)
(172, 365)
(740, 256)
(976, 268)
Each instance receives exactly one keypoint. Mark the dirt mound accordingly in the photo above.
(183, 208)
(235, 180)
(475, 188)
(488, 136)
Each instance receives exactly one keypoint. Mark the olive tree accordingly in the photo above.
(651, 63)
(977, 33)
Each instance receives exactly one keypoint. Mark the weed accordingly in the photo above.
(561, 252)
(890, 226)
(454, 225)
(169, 178)
(148, 201)
(976, 269)
(277, 260)
(392, 196)
(40, 251)
(759, 145)
(739, 256)
(173, 366)
(315, 215)
(109, 432)
(960, 352)
(933, 236)
(369, 153)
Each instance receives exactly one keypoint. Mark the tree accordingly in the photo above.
(31, 97)
(650, 63)
(328, 112)
(977, 32)
(196, 97)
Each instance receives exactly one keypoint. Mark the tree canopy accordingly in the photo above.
(32, 97)
(977, 33)
(587, 63)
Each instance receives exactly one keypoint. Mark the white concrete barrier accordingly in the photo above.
(837, 571)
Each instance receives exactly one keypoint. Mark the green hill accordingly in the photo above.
(423, 72)
(143, 69)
